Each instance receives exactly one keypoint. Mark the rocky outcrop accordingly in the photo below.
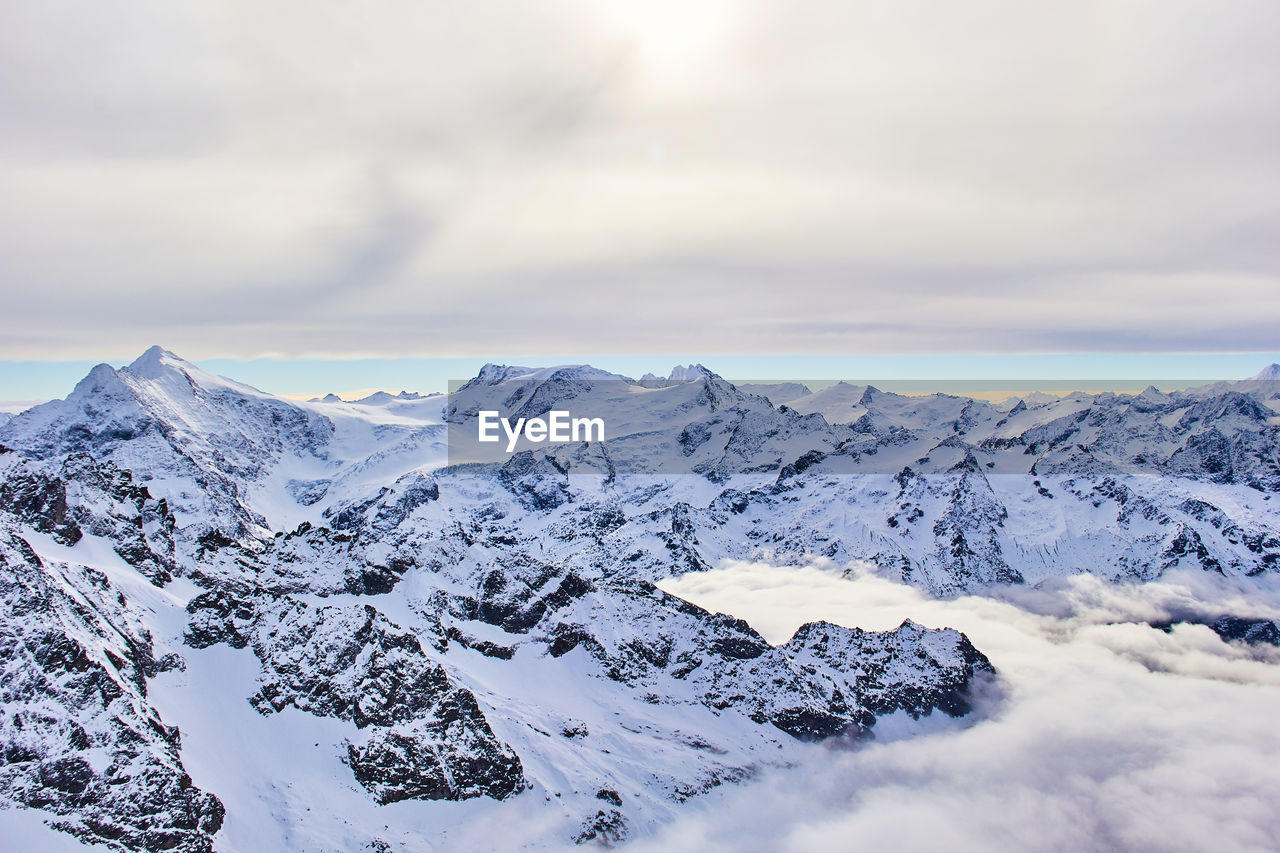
(427, 738)
(78, 738)
(450, 753)
(41, 500)
(826, 681)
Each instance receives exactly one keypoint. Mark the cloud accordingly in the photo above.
(1110, 735)
(474, 179)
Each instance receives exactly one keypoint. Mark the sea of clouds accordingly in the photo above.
(1103, 733)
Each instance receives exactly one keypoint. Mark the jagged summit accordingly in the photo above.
(492, 372)
(679, 373)
(688, 373)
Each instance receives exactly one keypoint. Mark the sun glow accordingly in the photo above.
(671, 32)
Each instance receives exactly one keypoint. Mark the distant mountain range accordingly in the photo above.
(235, 619)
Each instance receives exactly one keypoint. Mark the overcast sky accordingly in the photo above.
(480, 179)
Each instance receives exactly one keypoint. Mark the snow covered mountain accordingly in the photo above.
(238, 622)
(1270, 373)
(182, 551)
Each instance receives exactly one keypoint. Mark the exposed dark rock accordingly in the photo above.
(535, 481)
(826, 681)
(41, 501)
(429, 738)
(450, 754)
(605, 827)
(574, 729)
(484, 647)
(218, 616)
(518, 602)
(1254, 631)
(78, 738)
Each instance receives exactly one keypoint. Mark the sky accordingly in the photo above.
(1105, 735)
(994, 374)
(574, 180)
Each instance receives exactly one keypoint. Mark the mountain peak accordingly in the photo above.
(95, 381)
(153, 361)
(1270, 373)
(381, 398)
(493, 374)
(688, 373)
(161, 368)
